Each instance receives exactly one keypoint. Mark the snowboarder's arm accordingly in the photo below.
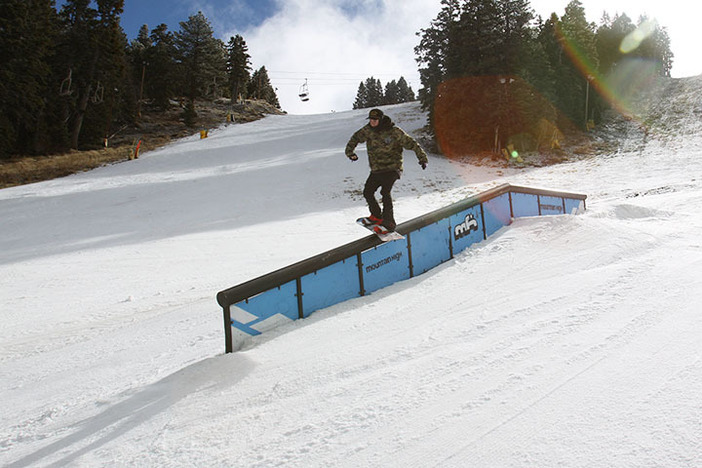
(411, 144)
(356, 138)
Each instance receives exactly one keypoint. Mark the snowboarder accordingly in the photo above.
(384, 142)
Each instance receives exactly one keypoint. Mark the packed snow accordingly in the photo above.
(560, 341)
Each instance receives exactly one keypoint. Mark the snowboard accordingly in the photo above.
(383, 233)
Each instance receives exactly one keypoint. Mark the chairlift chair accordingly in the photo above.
(304, 92)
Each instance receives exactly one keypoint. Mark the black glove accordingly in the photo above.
(423, 164)
(353, 157)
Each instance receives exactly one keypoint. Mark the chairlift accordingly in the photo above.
(304, 92)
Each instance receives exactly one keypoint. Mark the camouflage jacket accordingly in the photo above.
(385, 144)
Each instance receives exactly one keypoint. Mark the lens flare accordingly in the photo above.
(504, 116)
(633, 40)
(626, 81)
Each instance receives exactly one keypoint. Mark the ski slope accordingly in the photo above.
(560, 341)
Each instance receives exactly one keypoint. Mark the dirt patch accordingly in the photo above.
(154, 129)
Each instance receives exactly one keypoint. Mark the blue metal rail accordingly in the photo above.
(366, 265)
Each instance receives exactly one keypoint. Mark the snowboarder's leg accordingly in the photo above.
(388, 181)
(372, 184)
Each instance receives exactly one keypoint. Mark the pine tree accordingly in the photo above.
(92, 48)
(260, 87)
(375, 92)
(113, 102)
(392, 93)
(396, 92)
(405, 91)
(551, 48)
(433, 50)
(238, 67)
(577, 37)
(537, 69)
(655, 47)
(26, 46)
(474, 43)
(491, 39)
(660, 50)
(203, 59)
(515, 17)
(369, 94)
(138, 51)
(361, 97)
(162, 70)
(608, 39)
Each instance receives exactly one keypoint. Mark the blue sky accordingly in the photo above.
(336, 44)
(223, 14)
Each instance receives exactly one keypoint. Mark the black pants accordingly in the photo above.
(384, 181)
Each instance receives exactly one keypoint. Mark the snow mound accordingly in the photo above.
(625, 211)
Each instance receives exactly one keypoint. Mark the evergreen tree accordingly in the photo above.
(238, 67)
(375, 92)
(162, 69)
(361, 97)
(514, 19)
(143, 40)
(26, 46)
(486, 37)
(609, 38)
(113, 102)
(369, 94)
(397, 92)
(538, 70)
(92, 47)
(260, 87)
(551, 49)
(202, 57)
(68, 78)
(655, 47)
(392, 93)
(491, 39)
(661, 51)
(405, 91)
(218, 86)
(138, 52)
(578, 38)
(432, 52)
(473, 46)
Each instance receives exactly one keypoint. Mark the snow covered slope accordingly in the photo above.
(568, 341)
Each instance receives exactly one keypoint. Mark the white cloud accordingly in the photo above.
(336, 45)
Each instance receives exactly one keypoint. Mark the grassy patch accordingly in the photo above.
(28, 170)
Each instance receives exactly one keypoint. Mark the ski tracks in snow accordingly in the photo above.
(482, 395)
